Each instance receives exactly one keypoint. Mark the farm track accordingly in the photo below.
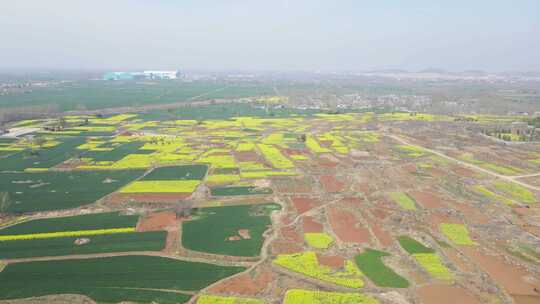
(268, 241)
(130, 253)
(208, 93)
(510, 178)
(264, 252)
(184, 292)
(191, 102)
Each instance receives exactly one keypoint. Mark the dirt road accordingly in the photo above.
(513, 179)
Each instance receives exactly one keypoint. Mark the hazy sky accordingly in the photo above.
(493, 35)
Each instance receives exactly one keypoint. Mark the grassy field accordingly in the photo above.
(111, 279)
(371, 264)
(211, 228)
(30, 192)
(241, 190)
(42, 158)
(412, 246)
(222, 111)
(107, 220)
(187, 172)
(97, 94)
(121, 242)
(117, 153)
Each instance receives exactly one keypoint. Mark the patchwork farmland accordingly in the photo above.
(243, 207)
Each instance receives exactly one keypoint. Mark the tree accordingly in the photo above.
(5, 202)
(40, 141)
(62, 123)
(183, 209)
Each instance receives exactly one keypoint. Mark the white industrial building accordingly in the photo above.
(151, 75)
(160, 74)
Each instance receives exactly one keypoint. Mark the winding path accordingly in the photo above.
(513, 179)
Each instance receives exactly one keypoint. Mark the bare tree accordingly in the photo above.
(5, 202)
(183, 209)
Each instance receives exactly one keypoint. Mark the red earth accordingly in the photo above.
(246, 156)
(327, 163)
(332, 261)
(290, 234)
(303, 204)
(472, 214)
(248, 284)
(158, 221)
(514, 279)
(384, 237)
(427, 199)
(331, 184)
(353, 202)
(285, 247)
(445, 294)
(310, 225)
(345, 226)
(293, 185)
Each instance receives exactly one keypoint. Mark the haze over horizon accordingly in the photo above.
(263, 35)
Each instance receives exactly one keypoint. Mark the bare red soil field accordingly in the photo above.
(158, 221)
(409, 167)
(333, 261)
(293, 185)
(286, 247)
(445, 294)
(290, 234)
(514, 279)
(327, 163)
(353, 202)
(248, 284)
(331, 184)
(384, 237)
(303, 204)
(436, 172)
(345, 226)
(427, 199)
(310, 225)
(472, 214)
(462, 171)
(380, 214)
(453, 256)
(246, 156)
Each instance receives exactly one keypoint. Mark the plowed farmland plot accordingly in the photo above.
(112, 279)
(219, 230)
(30, 192)
(454, 210)
(347, 228)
